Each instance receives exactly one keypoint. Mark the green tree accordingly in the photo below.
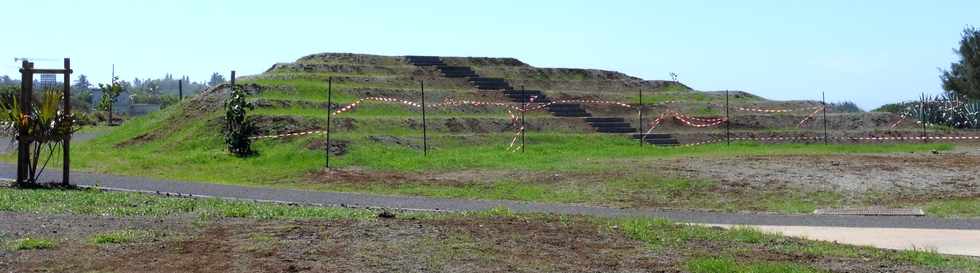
(110, 94)
(238, 127)
(82, 83)
(216, 79)
(963, 77)
(45, 126)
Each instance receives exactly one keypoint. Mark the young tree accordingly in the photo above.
(110, 94)
(45, 126)
(216, 79)
(963, 77)
(238, 127)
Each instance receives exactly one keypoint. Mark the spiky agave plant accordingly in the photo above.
(44, 127)
(945, 110)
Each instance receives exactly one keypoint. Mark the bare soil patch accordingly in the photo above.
(465, 244)
(912, 175)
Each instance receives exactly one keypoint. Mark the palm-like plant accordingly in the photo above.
(44, 127)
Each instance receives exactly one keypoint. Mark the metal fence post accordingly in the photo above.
(728, 122)
(523, 112)
(823, 99)
(922, 114)
(642, 133)
(425, 137)
(329, 113)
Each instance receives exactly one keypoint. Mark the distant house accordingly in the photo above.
(47, 81)
(139, 109)
(120, 107)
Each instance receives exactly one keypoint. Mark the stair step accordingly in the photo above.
(525, 96)
(605, 120)
(616, 130)
(457, 71)
(666, 142)
(519, 92)
(609, 124)
(565, 105)
(537, 100)
(571, 114)
(653, 136)
(424, 60)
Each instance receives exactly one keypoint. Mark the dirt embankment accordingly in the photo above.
(272, 125)
(197, 107)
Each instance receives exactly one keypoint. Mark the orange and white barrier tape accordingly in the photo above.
(316, 132)
(763, 110)
(809, 117)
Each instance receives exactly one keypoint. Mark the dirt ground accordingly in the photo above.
(908, 175)
(381, 245)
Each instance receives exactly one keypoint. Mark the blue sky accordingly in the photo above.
(869, 52)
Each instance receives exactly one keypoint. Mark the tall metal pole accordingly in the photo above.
(922, 114)
(66, 146)
(180, 90)
(23, 144)
(111, 83)
(329, 113)
(523, 112)
(823, 99)
(640, 111)
(425, 136)
(728, 122)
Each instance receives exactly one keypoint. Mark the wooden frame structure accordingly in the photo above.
(27, 72)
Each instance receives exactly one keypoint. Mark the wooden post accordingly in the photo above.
(425, 137)
(23, 144)
(329, 113)
(66, 146)
(233, 77)
(180, 90)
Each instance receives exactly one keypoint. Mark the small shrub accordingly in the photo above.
(118, 237)
(32, 244)
(238, 127)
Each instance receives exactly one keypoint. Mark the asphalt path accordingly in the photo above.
(356, 200)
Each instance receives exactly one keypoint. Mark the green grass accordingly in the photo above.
(197, 153)
(658, 234)
(662, 235)
(724, 265)
(32, 244)
(954, 208)
(193, 150)
(93, 202)
(119, 237)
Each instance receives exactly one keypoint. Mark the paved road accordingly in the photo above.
(956, 242)
(141, 184)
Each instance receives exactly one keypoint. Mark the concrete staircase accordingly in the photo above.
(658, 139)
(571, 110)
